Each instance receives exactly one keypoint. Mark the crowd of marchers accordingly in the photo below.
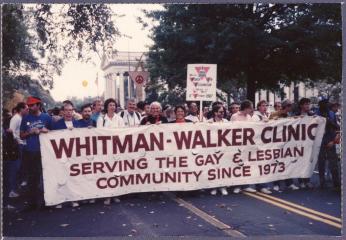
(22, 167)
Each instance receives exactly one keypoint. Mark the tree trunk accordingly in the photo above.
(251, 89)
(228, 99)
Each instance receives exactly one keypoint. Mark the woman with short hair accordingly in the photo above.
(180, 113)
(110, 119)
(155, 116)
(218, 112)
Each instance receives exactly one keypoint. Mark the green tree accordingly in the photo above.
(256, 46)
(17, 57)
(39, 39)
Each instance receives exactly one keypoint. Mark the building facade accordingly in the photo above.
(294, 92)
(118, 84)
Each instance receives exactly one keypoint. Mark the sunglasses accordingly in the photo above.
(31, 105)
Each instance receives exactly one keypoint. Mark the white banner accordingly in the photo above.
(93, 163)
(201, 82)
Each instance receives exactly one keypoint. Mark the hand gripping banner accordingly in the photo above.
(95, 163)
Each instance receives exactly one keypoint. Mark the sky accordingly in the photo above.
(70, 82)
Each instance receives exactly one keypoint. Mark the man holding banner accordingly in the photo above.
(246, 108)
(284, 112)
(67, 122)
(194, 115)
(32, 126)
(131, 117)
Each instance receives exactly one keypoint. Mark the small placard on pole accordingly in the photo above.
(201, 84)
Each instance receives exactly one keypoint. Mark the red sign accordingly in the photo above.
(139, 79)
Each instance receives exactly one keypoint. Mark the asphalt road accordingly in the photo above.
(191, 214)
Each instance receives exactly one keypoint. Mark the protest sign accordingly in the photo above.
(201, 82)
(139, 77)
(92, 163)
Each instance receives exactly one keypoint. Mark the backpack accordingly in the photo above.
(137, 114)
(104, 120)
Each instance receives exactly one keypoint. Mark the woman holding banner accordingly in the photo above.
(180, 113)
(110, 120)
(218, 114)
(155, 116)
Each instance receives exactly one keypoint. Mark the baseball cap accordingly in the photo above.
(32, 100)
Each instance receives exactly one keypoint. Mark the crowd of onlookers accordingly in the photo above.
(22, 127)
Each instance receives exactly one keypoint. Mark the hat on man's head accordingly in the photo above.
(33, 100)
(286, 103)
(167, 107)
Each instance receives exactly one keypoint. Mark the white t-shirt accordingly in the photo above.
(240, 117)
(131, 120)
(15, 122)
(258, 116)
(69, 124)
(213, 120)
(106, 122)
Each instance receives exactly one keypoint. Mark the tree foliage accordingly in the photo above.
(329, 91)
(17, 56)
(15, 39)
(74, 30)
(257, 46)
(39, 39)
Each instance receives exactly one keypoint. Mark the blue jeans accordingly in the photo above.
(288, 182)
(10, 178)
(262, 185)
(256, 186)
(34, 167)
(22, 168)
(328, 154)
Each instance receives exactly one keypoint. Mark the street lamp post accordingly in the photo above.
(129, 89)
